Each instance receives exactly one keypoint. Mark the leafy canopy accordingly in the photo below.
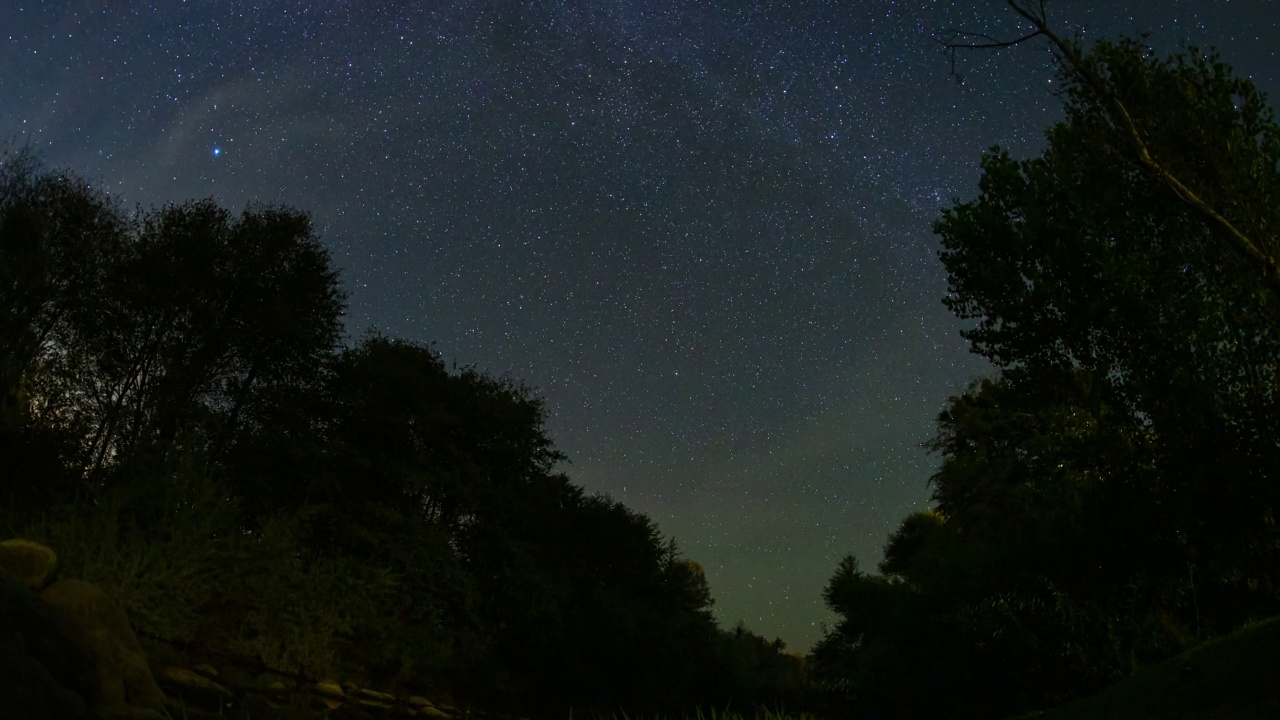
(1111, 495)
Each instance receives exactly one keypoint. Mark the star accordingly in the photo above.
(589, 200)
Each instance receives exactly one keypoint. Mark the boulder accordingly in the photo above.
(45, 674)
(122, 679)
(195, 687)
(31, 562)
(373, 698)
(330, 693)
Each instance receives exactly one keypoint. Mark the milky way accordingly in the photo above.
(700, 229)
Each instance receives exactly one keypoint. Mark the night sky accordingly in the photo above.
(699, 228)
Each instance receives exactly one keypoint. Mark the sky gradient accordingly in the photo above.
(699, 228)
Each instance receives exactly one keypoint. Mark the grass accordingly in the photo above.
(710, 714)
(698, 714)
(1236, 677)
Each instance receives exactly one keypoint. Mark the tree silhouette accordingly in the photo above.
(176, 377)
(1077, 259)
(1110, 496)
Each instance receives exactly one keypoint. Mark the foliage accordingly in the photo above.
(1082, 258)
(182, 423)
(1229, 677)
(161, 581)
(1109, 497)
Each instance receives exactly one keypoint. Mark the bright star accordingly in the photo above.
(217, 151)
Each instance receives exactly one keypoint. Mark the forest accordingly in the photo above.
(179, 401)
(181, 412)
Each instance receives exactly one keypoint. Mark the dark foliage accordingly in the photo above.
(182, 358)
(1110, 497)
(46, 674)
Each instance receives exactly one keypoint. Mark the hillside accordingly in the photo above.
(1233, 678)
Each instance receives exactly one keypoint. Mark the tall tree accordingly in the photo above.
(208, 318)
(1237, 227)
(1112, 493)
(1084, 257)
(58, 239)
(185, 362)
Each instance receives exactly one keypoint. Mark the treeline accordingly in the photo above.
(184, 423)
(1110, 496)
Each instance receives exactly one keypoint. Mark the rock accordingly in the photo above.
(133, 713)
(194, 687)
(45, 674)
(373, 698)
(422, 707)
(329, 688)
(33, 563)
(330, 694)
(122, 679)
(206, 670)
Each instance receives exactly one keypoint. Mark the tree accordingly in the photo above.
(1086, 258)
(894, 637)
(207, 319)
(1111, 494)
(57, 239)
(136, 334)
(544, 595)
(912, 549)
(1054, 556)
(172, 380)
(1123, 282)
(1044, 467)
(1236, 226)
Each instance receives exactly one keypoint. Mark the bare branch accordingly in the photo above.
(989, 44)
(952, 42)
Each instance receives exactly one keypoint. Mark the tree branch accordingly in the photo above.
(989, 43)
(1074, 63)
(950, 45)
(1236, 240)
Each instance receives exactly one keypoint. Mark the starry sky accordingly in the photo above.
(700, 228)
